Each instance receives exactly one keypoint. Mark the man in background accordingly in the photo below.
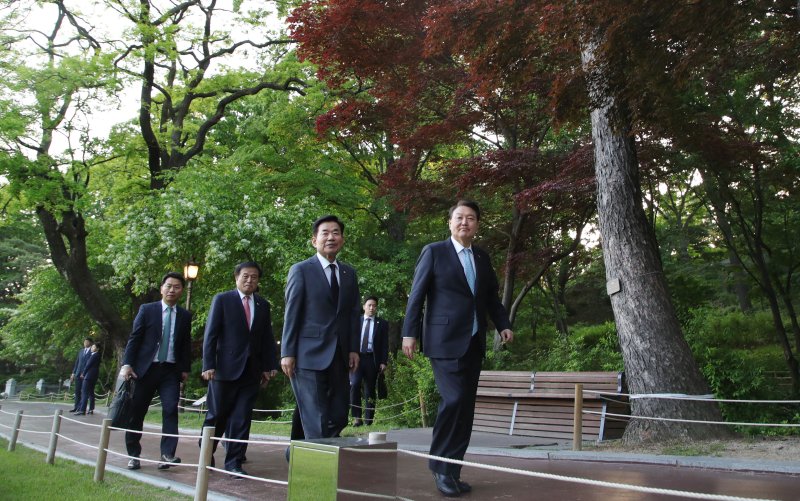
(77, 369)
(372, 359)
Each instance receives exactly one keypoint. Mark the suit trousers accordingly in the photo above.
(367, 373)
(87, 394)
(230, 408)
(323, 398)
(78, 393)
(457, 382)
(166, 379)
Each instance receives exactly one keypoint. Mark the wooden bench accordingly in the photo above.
(541, 404)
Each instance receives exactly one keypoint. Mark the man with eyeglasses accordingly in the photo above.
(239, 355)
(158, 357)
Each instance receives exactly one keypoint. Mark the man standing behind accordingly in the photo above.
(158, 357)
(372, 359)
(239, 354)
(77, 369)
(320, 332)
(458, 286)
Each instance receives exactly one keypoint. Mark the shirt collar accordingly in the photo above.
(458, 246)
(324, 261)
(164, 306)
(242, 294)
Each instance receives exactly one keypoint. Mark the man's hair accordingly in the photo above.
(175, 275)
(330, 218)
(374, 298)
(246, 264)
(465, 203)
(97, 343)
(87, 338)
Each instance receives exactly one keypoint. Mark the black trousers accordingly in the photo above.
(166, 379)
(230, 407)
(323, 398)
(457, 382)
(366, 375)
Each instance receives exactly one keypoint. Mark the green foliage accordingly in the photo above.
(406, 381)
(588, 348)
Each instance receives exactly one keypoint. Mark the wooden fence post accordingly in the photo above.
(51, 450)
(12, 444)
(422, 410)
(100, 466)
(206, 450)
(577, 419)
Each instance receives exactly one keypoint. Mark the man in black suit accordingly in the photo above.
(372, 359)
(456, 283)
(158, 357)
(239, 354)
(77, 369)
(320, 332)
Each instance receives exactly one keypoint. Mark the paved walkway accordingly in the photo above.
(741, 478)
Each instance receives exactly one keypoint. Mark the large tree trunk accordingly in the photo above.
(656, 356)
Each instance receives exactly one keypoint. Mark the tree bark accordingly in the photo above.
(656, 356)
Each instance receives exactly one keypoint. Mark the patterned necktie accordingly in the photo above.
(469, 270)
(334, 285)
(246, 304)
(163, 349)
(365, 335)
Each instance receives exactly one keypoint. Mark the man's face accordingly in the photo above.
(171, 291)
(247, 280)
(86, 343)
(464, 224)
(370, 308)
(329, 239)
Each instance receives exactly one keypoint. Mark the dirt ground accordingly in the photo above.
(763, 448)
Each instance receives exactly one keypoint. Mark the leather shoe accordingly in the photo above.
(446, 485)
(167, 461)
(286, 454)
(134, 464)
(79, 413)
(462, 486)
(244, 459)
(239, 471)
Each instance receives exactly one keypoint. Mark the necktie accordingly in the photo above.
(365, 335)
(246, 304)
(469, 270)
(334, 285)
(163, 349)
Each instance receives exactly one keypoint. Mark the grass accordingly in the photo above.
(23, 472)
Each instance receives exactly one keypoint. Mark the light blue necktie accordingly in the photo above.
(469, 270)
(164, 348)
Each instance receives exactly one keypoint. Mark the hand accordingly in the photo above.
(184, 376)
(273, 373)
(506, 336)
(288, 365)
(381, 368)
(72, 377)
(265, 377)
(208, 375)
(353, 364)
(409, 346)
(126, 372)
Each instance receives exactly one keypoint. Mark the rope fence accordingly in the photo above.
(203, 466)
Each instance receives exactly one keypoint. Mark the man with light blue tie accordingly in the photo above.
(158, 357)
(456, 284)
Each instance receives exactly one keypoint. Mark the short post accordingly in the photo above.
(422, 410)
(100, 466)
(206, 450)
(577, 419)
(12, 444)
(51, 450)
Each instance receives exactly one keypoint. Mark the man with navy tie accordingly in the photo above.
(456, 283)
(158, 357)
(372, 359)
(321, 332)
(77, 369)
(239, 355)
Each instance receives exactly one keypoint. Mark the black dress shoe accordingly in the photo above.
(167, 461)
(446, 485)
(79, 413)
(89, 412)
(462, 486)
(134, 464)
(244, 459)
(238, 471)
(73, 410)
(286, 454)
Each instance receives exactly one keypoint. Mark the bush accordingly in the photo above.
(588, 348)
(406, 380)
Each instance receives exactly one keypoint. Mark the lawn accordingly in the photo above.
(23, 471)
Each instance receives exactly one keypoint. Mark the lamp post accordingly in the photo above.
(190, 270)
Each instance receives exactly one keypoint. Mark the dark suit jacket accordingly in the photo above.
(80, 361)
(313, 325)
(92, 368)
(228, 342)
(380, 339)
(145, 338)
(440, 285)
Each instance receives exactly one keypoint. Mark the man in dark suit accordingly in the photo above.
(320, 332)
(89, 375)
(77, 369)
(372, 359)
(456, 283)
(239, 355)
(158, 357)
